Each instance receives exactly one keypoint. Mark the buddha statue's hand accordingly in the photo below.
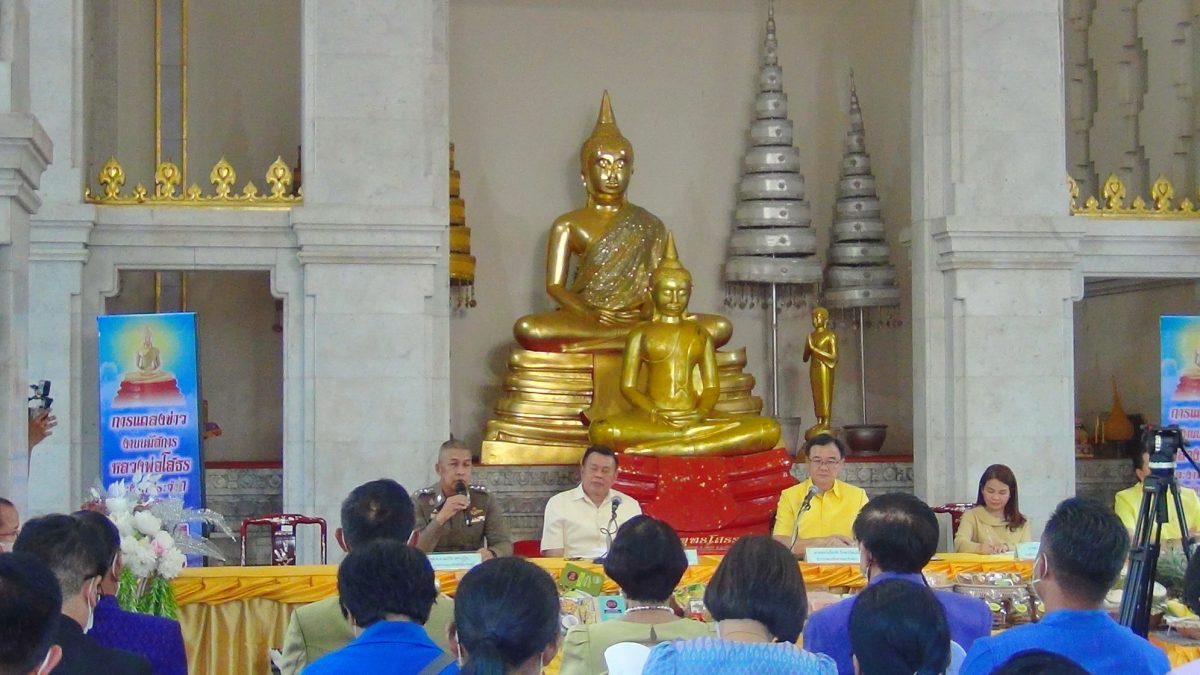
(681, 419)
(607, 317)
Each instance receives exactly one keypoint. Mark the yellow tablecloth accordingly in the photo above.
(1177, 654)
(231, 615)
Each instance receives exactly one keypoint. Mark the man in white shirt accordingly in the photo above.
(581, 522)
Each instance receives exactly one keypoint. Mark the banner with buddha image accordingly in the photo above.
(1180, 370)
(150, 403)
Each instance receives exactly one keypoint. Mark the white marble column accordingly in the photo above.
(25, 151)
(993, 251)
(58, 250)
(372, 236)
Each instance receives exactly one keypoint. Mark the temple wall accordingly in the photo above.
(526, 79)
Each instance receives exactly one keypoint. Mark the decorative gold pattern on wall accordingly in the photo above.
(168, 181)
(1112, 202)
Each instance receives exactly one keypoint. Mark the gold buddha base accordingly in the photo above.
(550, 397)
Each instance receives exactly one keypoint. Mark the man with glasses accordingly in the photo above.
(820, 511)
(10, 525)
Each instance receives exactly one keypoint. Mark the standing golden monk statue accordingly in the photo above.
(821, 351)
(672, 411)
(616, 245)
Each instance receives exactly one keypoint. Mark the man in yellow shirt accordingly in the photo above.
(1129, 501)
(826, 516)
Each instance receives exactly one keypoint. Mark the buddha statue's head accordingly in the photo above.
(147, 337)
(820, 317)
(671, 283)
(606, 158)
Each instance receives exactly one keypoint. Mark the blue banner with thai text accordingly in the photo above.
(1180, 368)
(149, 404)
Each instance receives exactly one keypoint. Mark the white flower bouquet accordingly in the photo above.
(155, 541)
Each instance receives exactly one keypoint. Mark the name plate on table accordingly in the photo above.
(1028, 550)
(839, 555)
(446, 562)
(693, 556)
(576, 578)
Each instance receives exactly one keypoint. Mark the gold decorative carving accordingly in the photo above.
(168, 179)
(1111, 203)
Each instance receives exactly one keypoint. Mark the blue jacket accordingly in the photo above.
(828, 630)
(158, 639)
(1088, 637)
(384, 648)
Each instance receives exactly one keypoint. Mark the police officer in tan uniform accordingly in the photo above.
(454, 515)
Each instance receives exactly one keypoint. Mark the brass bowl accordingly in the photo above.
(864, 439)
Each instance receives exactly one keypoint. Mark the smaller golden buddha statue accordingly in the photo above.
(148, 362)
(148, 384)
(820, 351)
(672, 412)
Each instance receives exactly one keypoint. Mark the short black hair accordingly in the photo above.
(599, 450)
(386, 576)
(30, 606)
(759, 579)
(68, 547)
(646, 559)
(825, 439)
(506, 610)
(380, 509)
(1138, 459)
(1039, 662)
(898, 627)
(106, 532)
(1085, 545)
(899, 531)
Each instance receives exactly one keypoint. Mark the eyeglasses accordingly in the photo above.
(825, 463)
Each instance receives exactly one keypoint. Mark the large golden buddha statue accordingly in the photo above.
(669, 374)
(565, 370)
(617, 246)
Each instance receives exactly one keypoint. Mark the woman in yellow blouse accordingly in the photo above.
(647, 561)
(995, 525)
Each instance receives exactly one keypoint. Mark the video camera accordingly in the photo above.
(41, 394)
(1164, 445)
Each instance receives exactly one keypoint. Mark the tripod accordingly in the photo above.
(1147, 536)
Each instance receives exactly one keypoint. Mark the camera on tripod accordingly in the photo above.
(1164, 446)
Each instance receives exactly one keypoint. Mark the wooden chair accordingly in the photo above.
(956, 511)
(283, 535)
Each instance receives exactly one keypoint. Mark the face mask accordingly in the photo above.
(1037, 576)
(46, 661)
(91, 620)
(5, 547)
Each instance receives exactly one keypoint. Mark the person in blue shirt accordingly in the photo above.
(897, 535)
(1082, 551)
(899, 628)
(387, 591)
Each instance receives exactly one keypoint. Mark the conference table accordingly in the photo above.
(231, 616)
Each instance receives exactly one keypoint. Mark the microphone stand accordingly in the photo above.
(796, 521)
(608, 532)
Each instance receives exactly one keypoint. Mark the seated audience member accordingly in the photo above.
(819, 511)
(897, 535)
(995, 525)
(1191, 598)
(72, 552)
(482, 526)
(579, 522)
(380, 509)
(647, 561)
(30, 607)
(10, 525)
(1129, 501)
(899, 628)
(506, 618)
(158, 639)
(1039, 662)
(1082, 552)
(758, 600)
(386, 589)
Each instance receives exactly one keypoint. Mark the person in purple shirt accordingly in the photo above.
(897, 535)
(158, 639)
(1083, 549)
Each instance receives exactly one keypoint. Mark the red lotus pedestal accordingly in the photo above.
(157, 392)
(1188, 387)
(710, 501)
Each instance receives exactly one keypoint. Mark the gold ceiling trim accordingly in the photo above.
(1162, 202)
(168, 182)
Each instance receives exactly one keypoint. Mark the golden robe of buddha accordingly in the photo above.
(821, 352)
(616, 246)
(669, 375)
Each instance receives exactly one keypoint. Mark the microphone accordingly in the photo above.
(610, 530)
(460, 488)
(616, 501)
(813, 491)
